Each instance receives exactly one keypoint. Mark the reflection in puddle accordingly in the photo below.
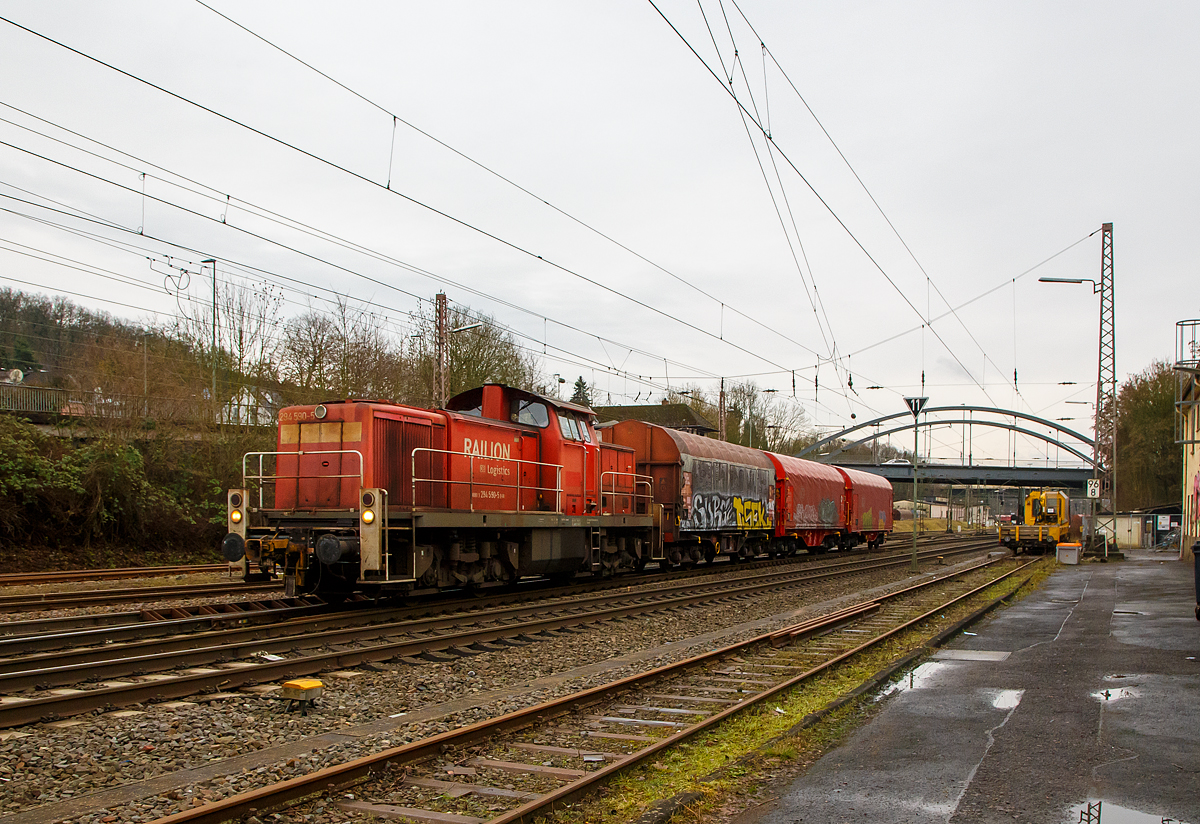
(1114, 694)
(915, 679)
(1105, 812)
(1007, 699)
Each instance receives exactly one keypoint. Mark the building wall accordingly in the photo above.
(1189, 429)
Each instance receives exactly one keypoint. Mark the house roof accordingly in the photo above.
(670, 415)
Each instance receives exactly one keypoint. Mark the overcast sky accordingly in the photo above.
(658, 241)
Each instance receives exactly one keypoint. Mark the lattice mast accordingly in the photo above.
(1106, 393)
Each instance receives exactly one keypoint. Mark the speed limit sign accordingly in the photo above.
(1093, 488)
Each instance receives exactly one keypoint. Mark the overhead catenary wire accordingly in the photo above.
(781, 372)
(580, 360)
(416, 202)
(832, 212)
(260, 237)
(290, 222)
(396, 118)
(861, 182)
(287, 221)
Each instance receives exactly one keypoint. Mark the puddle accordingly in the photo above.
(1104, 812)
(915, 679)
(1007, 699)
(1114, 694)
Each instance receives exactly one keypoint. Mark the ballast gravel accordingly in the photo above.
(53, 762)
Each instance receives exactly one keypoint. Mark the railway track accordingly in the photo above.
(107, 674)
(59, 600)
(518, 766)
(34, 578)
(41, 634)
(46, 601)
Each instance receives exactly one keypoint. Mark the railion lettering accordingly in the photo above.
(487, 449)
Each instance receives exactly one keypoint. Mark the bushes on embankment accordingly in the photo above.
(120, 498)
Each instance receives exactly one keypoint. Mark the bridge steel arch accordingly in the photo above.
(809, 450)
(929, 424)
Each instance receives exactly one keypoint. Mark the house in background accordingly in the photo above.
(252, 406)
(670, 415)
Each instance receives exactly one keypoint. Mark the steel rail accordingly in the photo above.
(103, 597)
(57, 576)
(126, 635)
(276, 796)
(26, 711)
(29, 637)
(151, 655)
(155, 655)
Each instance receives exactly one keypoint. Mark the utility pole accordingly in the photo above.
(145, 375)
(439, 380)
(1106, 394)
(721, 412)
(214, 331)
(914, 406)
(1104, 450)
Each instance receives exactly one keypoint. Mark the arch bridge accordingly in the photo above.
(1064, 438)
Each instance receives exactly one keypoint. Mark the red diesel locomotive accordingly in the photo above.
(371, 495)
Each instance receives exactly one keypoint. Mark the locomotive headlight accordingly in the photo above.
(368, 517)
(236, 516)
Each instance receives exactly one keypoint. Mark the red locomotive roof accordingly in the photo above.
(473, 398)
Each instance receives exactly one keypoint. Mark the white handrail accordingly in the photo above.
(638, 481)
(557, 489)
(263, 478)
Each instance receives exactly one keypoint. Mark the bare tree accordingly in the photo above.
(247, 338)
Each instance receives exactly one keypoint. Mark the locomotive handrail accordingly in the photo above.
(263, 478)
(556, 489)
(638, 481)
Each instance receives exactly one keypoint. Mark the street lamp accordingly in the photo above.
(1095, 285)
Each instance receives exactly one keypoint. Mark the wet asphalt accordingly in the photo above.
(1086, 690)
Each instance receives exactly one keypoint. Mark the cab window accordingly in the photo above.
(564, 425)
(532, 413)
(584, 435)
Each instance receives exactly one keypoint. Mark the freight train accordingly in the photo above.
(372, 496)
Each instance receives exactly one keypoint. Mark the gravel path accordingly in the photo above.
(212, 746)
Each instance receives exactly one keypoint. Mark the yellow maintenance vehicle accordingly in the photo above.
(1047, 523)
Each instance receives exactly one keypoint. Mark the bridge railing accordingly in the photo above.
(74, 403)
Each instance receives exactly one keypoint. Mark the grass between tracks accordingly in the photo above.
(732, 767)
